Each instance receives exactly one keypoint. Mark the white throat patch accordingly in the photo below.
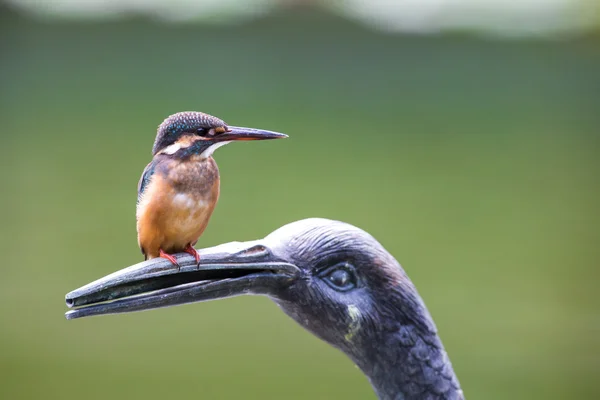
(208, 152)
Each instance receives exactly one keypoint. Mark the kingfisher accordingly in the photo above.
(179, 188)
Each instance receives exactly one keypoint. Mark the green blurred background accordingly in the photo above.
(474, 161)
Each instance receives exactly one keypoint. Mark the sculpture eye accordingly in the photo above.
(341, 277)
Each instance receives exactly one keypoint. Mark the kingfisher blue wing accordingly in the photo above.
(145, 178)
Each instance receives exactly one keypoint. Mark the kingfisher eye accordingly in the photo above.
(202, 131)
(341, 277)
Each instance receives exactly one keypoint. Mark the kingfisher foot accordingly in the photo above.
(190, 250)
(169, 257)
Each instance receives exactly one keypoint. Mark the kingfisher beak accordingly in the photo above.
(227, 270)
(240, 133)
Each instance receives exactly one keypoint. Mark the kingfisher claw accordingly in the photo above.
(168, 257)
(190, 250)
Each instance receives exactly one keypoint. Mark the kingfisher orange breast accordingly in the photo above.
(176, 205)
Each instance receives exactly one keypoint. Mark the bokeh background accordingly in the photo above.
(463, 135)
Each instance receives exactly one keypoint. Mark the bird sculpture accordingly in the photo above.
(332, 278)
(179, 188)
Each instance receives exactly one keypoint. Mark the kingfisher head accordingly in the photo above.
(191, 132)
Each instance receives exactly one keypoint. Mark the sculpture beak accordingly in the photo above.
(226, 270)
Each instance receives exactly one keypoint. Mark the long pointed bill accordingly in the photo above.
(227, 270)
(240, 133)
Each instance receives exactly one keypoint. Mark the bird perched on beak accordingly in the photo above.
(179, 189)
(333, 278)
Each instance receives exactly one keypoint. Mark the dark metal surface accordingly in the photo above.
(332, 278)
